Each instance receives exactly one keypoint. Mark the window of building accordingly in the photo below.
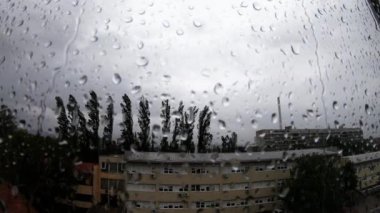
(167, 170)
(165, 188)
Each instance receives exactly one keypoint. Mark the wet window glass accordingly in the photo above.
(255, 106)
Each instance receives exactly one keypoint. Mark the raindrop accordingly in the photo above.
(274, 118)
(218, 88)
(94, 38)
(156, 129)
(256, 5)
(295, 49)
(367, 109)
(62, 143)
(116, 79)
(179, 32)
(2, 59)
(166, 24)
(48, 44)
(197, 23)
(254, 123)
(140, 45)
(67, 84)
(225, 101)
(83, 80)
(128, 19)
(142, 61)
(136, 89)
(335, 105)
(222, 124)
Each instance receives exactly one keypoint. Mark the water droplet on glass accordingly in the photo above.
(256, 5)
(296, 49)
(128, 19)
(335, 105)
(94, 38)
(136, 89)
(197, 23)
(367, 109)
(142, 61)
(166, 24)
(274, 118)
(225, 101)
(156, 129)
(254, 123)
(2, 59)
(83, 80)
(222, 124)
(179, 32)
(140, 45)
(116, 79)
(67, 84)
(218, 88)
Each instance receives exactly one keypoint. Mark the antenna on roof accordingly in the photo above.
(279, 112)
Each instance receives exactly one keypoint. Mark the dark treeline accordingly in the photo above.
(174, 135)
(41, 167)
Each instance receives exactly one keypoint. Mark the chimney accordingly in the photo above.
(279, 112)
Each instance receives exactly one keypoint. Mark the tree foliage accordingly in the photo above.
(108, 128)
(127, 123)
(7, 121)
(204, 135)
(63, 122)
(319, 184)
(144, 123)
(229, 143)
(187, 127)
(92, 106)
(165, 116)
(174, 145)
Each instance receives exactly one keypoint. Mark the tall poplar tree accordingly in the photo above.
(144, 123)
(165, 116)
(174, 146)
(63, 122)
(127, 123)
(204, 135)
(108, 128)
(92, 106)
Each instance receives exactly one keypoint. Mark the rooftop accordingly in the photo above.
(310, 130)
(161, 157)
(364, 157)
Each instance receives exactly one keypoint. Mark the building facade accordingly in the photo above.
(288, 138)
(367, 169)
(228, 182)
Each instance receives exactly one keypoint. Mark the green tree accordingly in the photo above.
(108, 128)
(165, 116)
(144, 123)
(92, 106)
(127, 123)
(204, 135)
(317, 184)
(63, 122)
(7, 121)
(174, 147)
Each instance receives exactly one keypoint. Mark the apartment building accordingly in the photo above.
(367, 168)
(288, 138)
(87, 190)
(226, 182)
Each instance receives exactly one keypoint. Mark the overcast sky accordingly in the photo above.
(236, 56)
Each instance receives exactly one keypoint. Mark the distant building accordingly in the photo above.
(288, 138)
(367, 168)
(87, 190)
(185, 182)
